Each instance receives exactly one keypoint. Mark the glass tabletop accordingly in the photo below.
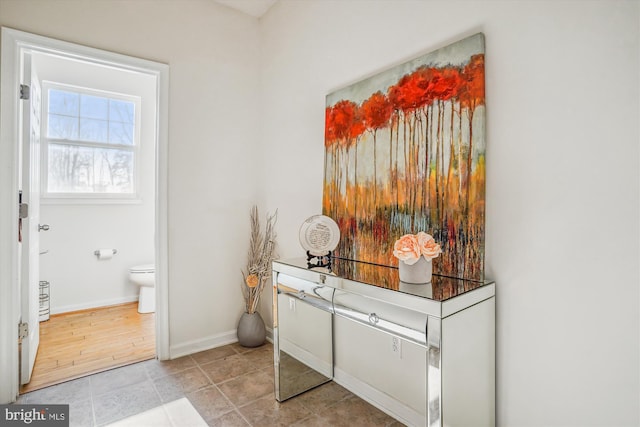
(440, 288)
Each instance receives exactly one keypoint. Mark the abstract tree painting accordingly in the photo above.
(405, 152)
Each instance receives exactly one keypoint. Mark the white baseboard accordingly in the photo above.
(380, 400)
(208, 343)
(202, 344)
(93, 304)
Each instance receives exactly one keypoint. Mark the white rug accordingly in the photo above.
(179, 413)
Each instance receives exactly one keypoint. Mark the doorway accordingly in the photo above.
(80, 343)
(15, 46)
(97, 150)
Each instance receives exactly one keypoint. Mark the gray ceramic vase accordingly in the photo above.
(251, 330)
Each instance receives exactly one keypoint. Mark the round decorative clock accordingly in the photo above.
(319, 235)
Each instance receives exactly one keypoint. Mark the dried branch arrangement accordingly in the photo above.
(261, 254)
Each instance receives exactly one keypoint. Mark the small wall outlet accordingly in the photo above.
(396, 347)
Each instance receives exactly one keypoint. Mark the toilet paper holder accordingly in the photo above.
(97, 252)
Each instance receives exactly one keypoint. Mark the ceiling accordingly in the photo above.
(255, 8)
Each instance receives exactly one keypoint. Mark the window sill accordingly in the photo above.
(89, 201)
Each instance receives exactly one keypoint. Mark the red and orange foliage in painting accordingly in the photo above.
(471, 97)
(472, 91)
(343, 127)
(426, 174)
(376, 111)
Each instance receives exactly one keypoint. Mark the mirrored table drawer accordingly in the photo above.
(393, 319)
(315, 294)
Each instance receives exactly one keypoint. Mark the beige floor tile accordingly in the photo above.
(320, 398)
(247, 388)
(261, 357)
(354, 412)
(232, 419)
(311, 421)
(268, 412)
(210, 402)
(227, 368)
(213, 354)
(226, 387)
(240, 349)
(191, 379)
(157, 368)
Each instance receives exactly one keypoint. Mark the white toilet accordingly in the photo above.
(145, 277)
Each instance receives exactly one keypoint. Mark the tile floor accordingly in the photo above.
(228, 386)
(179, 413)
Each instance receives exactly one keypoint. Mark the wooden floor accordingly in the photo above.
(83, 342)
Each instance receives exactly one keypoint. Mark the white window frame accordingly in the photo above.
(88, 198)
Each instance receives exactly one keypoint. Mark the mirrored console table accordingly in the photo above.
(425, 354)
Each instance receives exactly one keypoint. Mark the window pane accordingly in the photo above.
(121, 133)
(77, 169)
(93, 130)
(121, 111)
(62, 127)
(65, 103)
(94, 107)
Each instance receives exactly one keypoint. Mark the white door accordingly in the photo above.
(30, 280)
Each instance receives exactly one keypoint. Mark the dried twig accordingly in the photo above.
(261, 254)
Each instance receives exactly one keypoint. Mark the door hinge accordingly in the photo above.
(23, 330)
(23, 210)
(25, 91)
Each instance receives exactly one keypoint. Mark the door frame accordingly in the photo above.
(14, 44)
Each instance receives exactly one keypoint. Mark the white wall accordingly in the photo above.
(212, 52)
(77, 278)
(562, 235)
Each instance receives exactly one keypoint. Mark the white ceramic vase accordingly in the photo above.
(418, 273)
